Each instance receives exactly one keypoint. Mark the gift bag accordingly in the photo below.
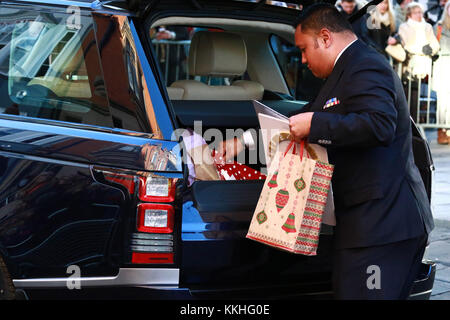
(289, 212)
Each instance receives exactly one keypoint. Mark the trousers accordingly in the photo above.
(385, 272)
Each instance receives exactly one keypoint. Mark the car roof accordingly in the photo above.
(252, 8)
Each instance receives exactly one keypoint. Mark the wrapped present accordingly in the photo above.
(239, 171)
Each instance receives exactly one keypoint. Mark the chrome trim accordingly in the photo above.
(142, 248)
(52, 2)
(96, 6)
(106, 4)
(130, 277)
(420, 293)
(152, 236)
(148, 242)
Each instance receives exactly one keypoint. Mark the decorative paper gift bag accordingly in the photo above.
(289, 212)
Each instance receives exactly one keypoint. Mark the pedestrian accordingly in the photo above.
(420, 43)
(349, 8)
(380, 26)
(441, 72)
(382, 209)
(434, 12)
(400, 11)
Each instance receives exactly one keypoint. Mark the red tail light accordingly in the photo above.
(155, 218)
(156, 189)
(152, 257)
(153, 243)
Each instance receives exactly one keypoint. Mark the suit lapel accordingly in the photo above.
(334, 77)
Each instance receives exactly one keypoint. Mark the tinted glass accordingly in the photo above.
(50, 68)
(128, 92)
(73, 67)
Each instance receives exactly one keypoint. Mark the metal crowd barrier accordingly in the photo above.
(164, 48)
(422, 101)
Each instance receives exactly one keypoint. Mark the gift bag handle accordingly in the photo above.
(302, 148)
(292, 143)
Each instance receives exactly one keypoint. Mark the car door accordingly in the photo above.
(79, 131)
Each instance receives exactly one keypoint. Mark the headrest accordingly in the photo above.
(217, 54)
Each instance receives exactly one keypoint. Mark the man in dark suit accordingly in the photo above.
(361, 116)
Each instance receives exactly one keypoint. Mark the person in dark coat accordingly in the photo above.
(348, 8)
(380, 27)
(383, 215)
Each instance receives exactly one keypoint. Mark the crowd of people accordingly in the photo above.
(404, 32)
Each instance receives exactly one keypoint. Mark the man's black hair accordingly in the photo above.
(323, 15)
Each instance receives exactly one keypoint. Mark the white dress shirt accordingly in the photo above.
(342, 51)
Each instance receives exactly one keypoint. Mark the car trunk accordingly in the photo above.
(216, 257)
(216, 254)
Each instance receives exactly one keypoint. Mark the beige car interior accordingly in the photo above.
(62, 85)
(216, 54)
(255, 35)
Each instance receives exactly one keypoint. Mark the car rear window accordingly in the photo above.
(51, 67)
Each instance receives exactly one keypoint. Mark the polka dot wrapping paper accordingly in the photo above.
(238, 171)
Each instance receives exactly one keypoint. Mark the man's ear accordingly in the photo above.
(326, 37)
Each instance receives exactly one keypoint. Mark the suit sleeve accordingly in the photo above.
(370, 115)
(305, 108)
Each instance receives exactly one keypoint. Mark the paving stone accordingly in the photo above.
(441, 291)
(443, 275)
(439, 251)
(439, 248)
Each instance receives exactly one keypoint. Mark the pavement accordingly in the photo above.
(439, 248)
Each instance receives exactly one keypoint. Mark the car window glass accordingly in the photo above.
(127, 89)
(301, 82)
(49, 67)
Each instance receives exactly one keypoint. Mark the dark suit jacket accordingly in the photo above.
(378, 191)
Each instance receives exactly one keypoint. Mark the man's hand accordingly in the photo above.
(165, 35)
(228, 149)
(300, 125)
(392, 41)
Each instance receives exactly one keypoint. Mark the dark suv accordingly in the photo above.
(94, 195)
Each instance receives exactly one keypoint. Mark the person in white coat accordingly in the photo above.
(419, 41)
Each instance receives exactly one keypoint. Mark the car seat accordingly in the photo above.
(216, 54)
